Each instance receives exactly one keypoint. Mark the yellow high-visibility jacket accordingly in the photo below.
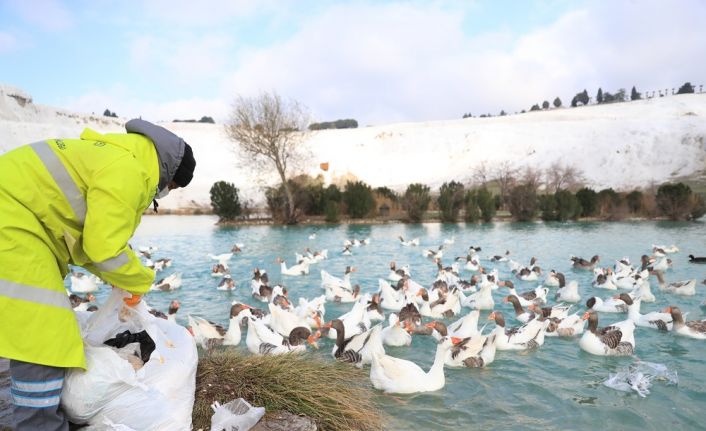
(65, 201)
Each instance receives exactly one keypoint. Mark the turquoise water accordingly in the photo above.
(556, 387)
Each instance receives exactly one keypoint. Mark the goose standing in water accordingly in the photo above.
(690, 328)
(617, 339)
(399, 376)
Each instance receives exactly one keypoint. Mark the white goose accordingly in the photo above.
(536, 296)
(551, 280)
(301, 268)
(222, 258)
(617, 339)
(396, 274)
(690, 328)
(226, 284)
(569, 326)
(641, 288)
(411, 243)
(603, 281)
(395, 334)
(665, 249)
(168, 283)
(395, 375)
(261, 340)
(611, 305)
(355, 321)
(654, 319)
(434, 254)
(209, 334)
(481, 300)
(391, 299)
(684, 288)
(283, 321)
(81, 283)
(328, 280)
(525, 337)
(568, 293)
(444, 306)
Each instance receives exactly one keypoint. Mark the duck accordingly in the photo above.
(301, 268)
(684, 288)
(536, 296)
(525, 337)
(690, 328)
(520, 314)
(611, 305)
(226, 283)
(411, 243)
(168, 283)
(80, 283)
(617, 339)
(581, 263)
(695, 259)
(400, 376)
(396, 334)
(358, 349)
(655, 319)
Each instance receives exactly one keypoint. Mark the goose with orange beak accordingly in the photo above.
(690, 328)
(617, 339)
(400, 376)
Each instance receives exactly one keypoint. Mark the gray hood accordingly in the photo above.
(170, 147)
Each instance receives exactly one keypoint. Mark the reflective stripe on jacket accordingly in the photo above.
(67, 201)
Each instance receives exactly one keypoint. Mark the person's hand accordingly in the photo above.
(132, 300)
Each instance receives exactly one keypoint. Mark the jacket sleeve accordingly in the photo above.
(114, 203)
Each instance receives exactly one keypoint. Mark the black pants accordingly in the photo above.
(35, 392)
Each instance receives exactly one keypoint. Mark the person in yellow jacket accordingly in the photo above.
(72, 201)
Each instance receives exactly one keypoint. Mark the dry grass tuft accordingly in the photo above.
(337, 396)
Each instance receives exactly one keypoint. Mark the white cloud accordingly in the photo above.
(401, 62)
(188, 13)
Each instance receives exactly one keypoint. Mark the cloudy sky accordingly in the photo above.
(375, 61)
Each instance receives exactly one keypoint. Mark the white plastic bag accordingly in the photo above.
(236, 415)
(159, 396)
(638, 377)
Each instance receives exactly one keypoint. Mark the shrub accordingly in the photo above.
(547, 207)
(557, 103)
(386, 192)
(523, 202)
(225, 201)
(567, 205)
(470, 203)
(634, 201)
(698, 206)
(332, 212)
(359, 199)
(545, 104)
(674, 200)
(450, 200)
(534, 107)
(486, 204)
(588, 199)
(416, 201)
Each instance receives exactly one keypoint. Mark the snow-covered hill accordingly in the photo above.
(620, 145)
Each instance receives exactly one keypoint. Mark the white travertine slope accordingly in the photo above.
(619, 145)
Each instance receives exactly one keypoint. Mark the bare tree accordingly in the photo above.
(269, 132)
(532, 177)
(506, 176)
(561, 177)
(481, 173)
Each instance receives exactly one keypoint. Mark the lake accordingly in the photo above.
(555, 387)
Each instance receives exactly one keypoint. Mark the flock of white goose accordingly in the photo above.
(448, 310)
